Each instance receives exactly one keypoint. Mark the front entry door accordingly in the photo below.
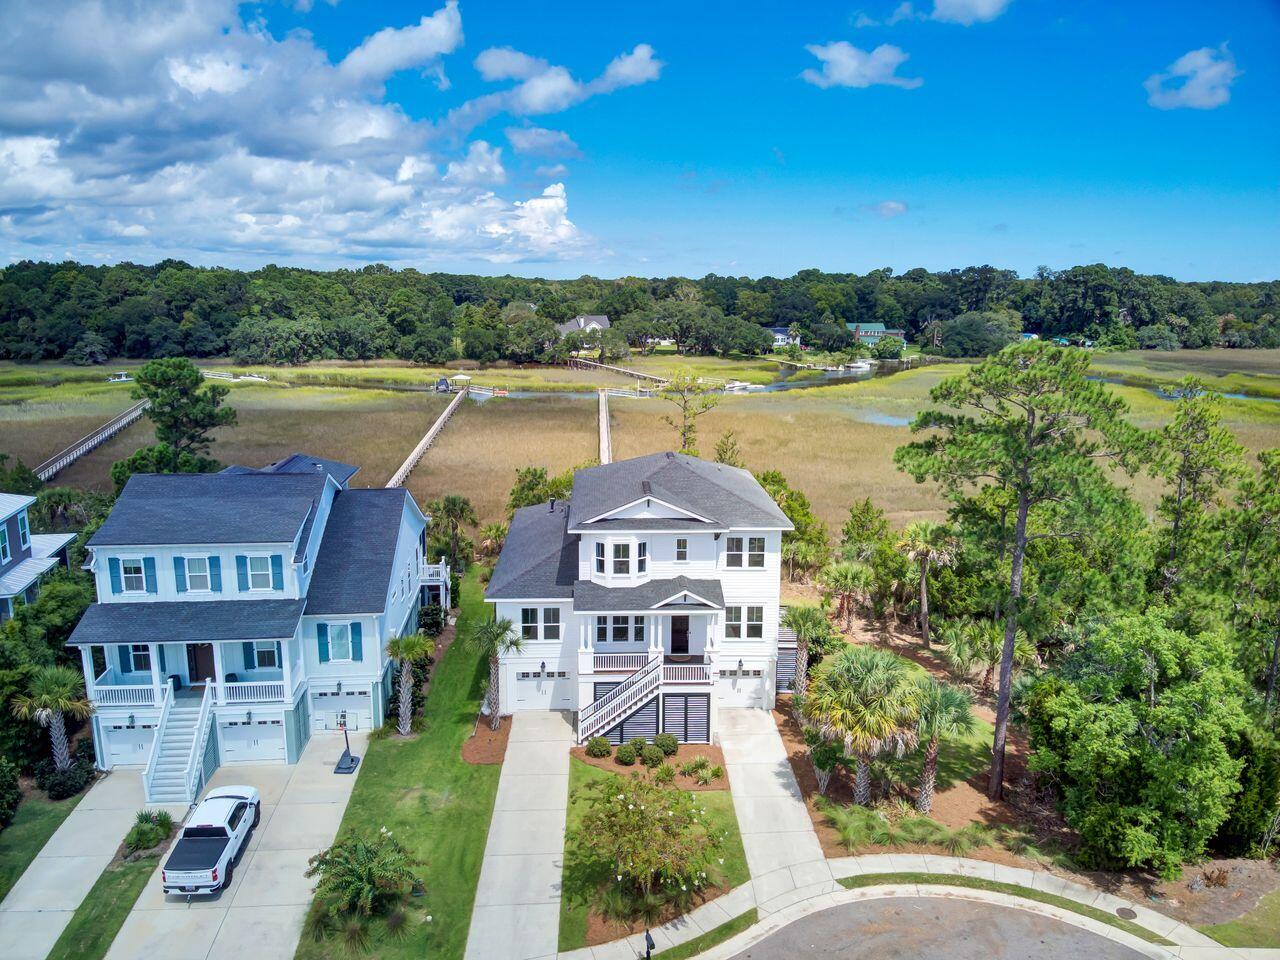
(200, 662)
(679, 636)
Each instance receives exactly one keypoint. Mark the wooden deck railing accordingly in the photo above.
(60, 461)
(399, 477)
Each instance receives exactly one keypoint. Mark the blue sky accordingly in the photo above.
(651, 139)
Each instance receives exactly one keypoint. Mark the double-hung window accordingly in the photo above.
(265, 654)
(602, 629)
(259, 573)
(599, 557)
(733, 551)
(550, 623)
(529, 623)
(24, 530)
(198, 575)
(622, 558)
(732, 623)
(4, 545)
(637, 630)
(339, 641)
(621, 629)
(140, 657)
(755, 623)
(755, 551)
(682, 549)
(133, 579)
(642, 557)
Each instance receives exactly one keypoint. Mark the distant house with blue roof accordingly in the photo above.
(240, 612)
(25, 557)
(869, 334)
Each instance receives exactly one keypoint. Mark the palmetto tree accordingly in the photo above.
(810, 625)
(866, 698)
(945, 712)
(927, 544)
(492, 537)
(494, 638)
(454, 510)
(407, 650)
(52, 693)
(847, 582)
(978, 643)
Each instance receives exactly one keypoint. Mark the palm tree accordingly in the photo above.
(847, 581)
(52, 693)
(407, 650)
(493, 639)
(986, 640)
(867, 698)
(810, 625)
(945, 711)
(927, 544)
(454, 510)
(492, 537)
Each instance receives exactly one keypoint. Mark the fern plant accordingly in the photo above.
(362, 876)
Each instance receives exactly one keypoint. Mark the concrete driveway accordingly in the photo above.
(42, 902)
(260, 915)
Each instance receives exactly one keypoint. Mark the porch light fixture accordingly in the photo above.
(543, 666)
(339, 686)
(131, 719)
(248, 716)
(739, 664)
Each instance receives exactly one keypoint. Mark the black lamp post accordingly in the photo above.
(648, 945)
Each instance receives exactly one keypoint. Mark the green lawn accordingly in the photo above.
(581, 882)
(977, 883)
(1260, 927)
(35, 822)
(102, 913)
(712, 938)
(435, 803)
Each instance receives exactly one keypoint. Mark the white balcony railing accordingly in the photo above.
(618, 662)
(434, 572)
(251, 692)
(132, 695)
(685, 673)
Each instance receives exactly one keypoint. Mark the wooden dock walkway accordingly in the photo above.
(398, 478)
(580, 364)
(60, 461)
(606, 437)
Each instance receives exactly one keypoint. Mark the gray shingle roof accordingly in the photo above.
(539, 559)
(193, 621)
(306, 463)
(157, 509)
(582, 321)
(590, 597)
(728, 496)
(354, 566)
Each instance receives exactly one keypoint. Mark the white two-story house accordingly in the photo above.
(238, 612)
(647, 601)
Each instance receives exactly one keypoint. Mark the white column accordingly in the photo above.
(218, 675)
(285, 657)
(153, 650)
(86, 658)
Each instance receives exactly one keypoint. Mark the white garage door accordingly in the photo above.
(544, 690)
(129, 745)
(331, 710)
(741, 688)
(257, 740)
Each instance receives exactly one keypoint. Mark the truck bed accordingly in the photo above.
(195, 854)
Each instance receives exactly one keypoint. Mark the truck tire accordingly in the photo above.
(257, 813)
(231, 872)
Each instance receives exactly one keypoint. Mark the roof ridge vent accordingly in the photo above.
(670, 455)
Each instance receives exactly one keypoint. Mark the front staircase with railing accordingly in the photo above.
(181, 733)
(635, 691)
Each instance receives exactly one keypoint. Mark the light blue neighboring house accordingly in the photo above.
(869, 334)
(25, 557)
(240, 612)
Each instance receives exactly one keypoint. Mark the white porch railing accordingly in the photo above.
(166, 702)
(685, 673)
(194, 772)
(618, 662)
(107, 693)
(434, 572)
(618, 702)
(255, 691)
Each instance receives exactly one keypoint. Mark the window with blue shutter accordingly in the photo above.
(250, 658)
(277, 572)
(215, 574)
(180, 573)
(357, 647)
(149, 568)
(322, 634)
(113, 567)
(126, 661)
(162, 667)
(242, 572)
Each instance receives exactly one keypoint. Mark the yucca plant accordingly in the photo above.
(361, 876)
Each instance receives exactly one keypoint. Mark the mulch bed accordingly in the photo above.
(486, 745)
(687, 751)
(602, 930)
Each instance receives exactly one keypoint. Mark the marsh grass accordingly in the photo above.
(1255, 372)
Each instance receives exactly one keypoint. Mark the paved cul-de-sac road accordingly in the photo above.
(908, 928)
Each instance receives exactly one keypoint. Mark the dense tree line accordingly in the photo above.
(88, 313)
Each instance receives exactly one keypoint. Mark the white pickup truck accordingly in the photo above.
(202, 860)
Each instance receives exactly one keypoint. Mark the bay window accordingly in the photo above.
(622, 559)
(599, 557)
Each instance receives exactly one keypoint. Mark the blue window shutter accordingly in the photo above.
(180, 573)
(215, 574)
(357, 647)
(250, 658)
(242, 572)
(279, 656)
(160, 648)
(277, 572)
(113, 566)
(322, 632)
(126, 662)
(149, 574)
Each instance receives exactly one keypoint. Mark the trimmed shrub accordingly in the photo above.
(625, 755)
(651, 756)
(667, 743)
(150, 829)
(637, 744)
(60, 784)
(10, 795)
(599, 747)
(431, 619)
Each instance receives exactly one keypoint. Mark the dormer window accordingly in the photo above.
(642, 557)
(599, 558)
(622, 559)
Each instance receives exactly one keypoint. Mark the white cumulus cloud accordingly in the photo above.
(541, 142)
(968, 12)
(844, 65)
(392, 49)
(1200, 79)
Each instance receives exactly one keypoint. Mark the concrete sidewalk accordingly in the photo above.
(42, 902)
(783, 852)
(517, 909)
